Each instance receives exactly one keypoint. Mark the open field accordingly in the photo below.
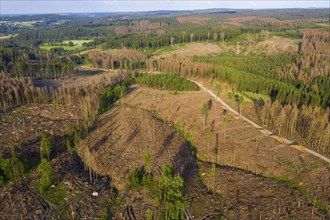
(3, 37)
(77, 44)
(272, 46)
(26, 23)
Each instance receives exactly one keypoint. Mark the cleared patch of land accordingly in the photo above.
(124, 135)
(241, 21)
(193, 20)
(272, 46)
(117, 147)
(247, 196)
(70, 198)
(239, 144)
(83, 76)
(26, 23)
(189, 50)
(277, 45)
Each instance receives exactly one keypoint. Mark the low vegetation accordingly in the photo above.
(167, 82)
(167, 190)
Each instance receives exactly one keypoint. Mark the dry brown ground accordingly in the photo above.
(124, 135)
(273, 46)
(247, 196)
(21, 199)
(22, 126)
(117, 146)
(83, 76)
(240, 21)
(277, 45)
(241, 146)
(191, 49)
(193, 20)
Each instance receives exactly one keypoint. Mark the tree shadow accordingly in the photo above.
(88, 72)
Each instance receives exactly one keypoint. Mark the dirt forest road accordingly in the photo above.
(284, 140)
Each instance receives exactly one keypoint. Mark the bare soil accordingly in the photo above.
(192, 49)
(83, 76)
(22, 126)
(123, 136)
(248, 196)
(116, 148)
(276, 45)
(272, 46)
(239, 144)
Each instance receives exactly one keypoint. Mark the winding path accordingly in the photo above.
(283, 140)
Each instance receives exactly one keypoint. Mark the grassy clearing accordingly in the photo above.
(255, 96)
(324, 24)
(77, 44)
(4, 37)
(26, 23)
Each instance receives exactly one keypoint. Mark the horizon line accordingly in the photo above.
(173, 10)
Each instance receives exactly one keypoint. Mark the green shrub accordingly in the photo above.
(171, 82)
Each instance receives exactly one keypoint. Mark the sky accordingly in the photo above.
(75, 6)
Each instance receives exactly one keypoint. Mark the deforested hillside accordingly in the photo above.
(124, 135)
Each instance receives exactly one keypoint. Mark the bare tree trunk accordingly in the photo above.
(216, 147)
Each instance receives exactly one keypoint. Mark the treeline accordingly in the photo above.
(37, 37)
(183, 67)
(311, 123)
(267, 66)
(117, 59)
(18, 91)
(261, 74)
(15, 91)
(140, 26)
(283, 92)
(160, 38)
(167, 191)
(167, 81)
(314, 56)
(26, 62)
(111, 94)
